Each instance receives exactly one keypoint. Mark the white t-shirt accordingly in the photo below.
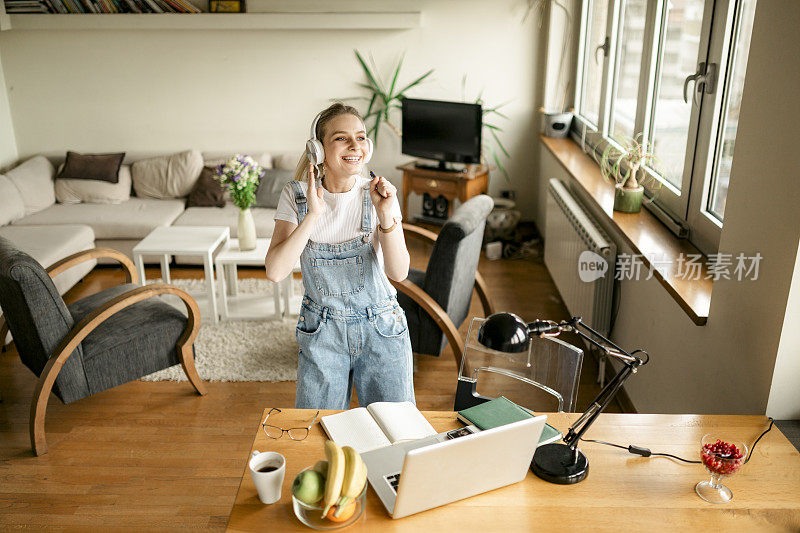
(342, 220)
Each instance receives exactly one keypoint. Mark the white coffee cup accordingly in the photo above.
(268, 483)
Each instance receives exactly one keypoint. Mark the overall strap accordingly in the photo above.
(366, 210)
(301, 201)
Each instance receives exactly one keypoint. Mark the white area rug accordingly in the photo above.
(258, 350)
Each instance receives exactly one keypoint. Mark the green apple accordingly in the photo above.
(308, 487)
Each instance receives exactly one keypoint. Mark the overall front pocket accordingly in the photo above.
(391, 325)
(338, 277)
(308, 323)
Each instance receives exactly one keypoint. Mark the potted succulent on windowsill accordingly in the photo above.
(625, 168)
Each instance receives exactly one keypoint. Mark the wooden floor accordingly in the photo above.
(155, 456)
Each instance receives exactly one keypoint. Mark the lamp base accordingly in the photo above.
(556, 463)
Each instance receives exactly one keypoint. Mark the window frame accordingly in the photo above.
(686, 207)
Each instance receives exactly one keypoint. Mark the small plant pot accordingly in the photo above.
(557, 124)
(627, 200)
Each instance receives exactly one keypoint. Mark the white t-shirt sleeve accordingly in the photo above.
(287, 207)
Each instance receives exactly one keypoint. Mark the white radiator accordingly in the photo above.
(569, 232)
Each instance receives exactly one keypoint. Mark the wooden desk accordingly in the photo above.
(622, 492)
(451, 185)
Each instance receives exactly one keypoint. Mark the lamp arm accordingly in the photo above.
(599, 404)
(575, 325)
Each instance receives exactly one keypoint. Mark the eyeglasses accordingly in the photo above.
(275, 432)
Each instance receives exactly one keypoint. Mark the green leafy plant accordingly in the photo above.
(625, 166)
(383, 97)
(540, 8)
(493, 130)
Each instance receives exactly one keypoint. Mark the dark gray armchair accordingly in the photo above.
(96, 343)
(436, 301)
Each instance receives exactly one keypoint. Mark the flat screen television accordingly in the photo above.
(448, 132)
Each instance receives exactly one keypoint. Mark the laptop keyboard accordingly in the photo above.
(393, 480)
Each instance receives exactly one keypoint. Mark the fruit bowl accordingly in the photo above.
(311, 515)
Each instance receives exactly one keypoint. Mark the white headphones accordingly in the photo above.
(315, 152)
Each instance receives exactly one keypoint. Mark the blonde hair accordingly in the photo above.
(332, 111)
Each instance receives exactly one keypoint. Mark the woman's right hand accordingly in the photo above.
(316, 204)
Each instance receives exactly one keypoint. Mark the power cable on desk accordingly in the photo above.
(645, 452)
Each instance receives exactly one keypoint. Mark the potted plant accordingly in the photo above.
(557, 117)
(383, 97)
(625, 167)
(487, 150)
(240, 176)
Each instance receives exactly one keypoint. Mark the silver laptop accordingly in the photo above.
(414, 476)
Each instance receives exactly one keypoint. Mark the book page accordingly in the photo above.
(354, 428)
(400, 420)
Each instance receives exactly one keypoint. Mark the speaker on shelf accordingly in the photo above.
(428, 205)
(440, 207)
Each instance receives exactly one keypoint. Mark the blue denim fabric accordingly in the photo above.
(351, 330)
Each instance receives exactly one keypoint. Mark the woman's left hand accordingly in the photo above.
(382, 193)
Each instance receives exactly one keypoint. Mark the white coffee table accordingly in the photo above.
(235, 306)
(184, 240)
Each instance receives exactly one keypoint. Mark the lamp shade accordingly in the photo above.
(504, 332)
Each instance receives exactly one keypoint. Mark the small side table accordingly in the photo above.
(183, 240)
(451, 185)
(246, 306)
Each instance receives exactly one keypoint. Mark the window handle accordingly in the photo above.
(604, 47)
(705, 80)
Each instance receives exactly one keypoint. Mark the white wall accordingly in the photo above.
(99, 91)
(8, 144)
(727, 365)
(784, 395)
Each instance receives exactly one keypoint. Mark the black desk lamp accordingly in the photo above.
(560, 463)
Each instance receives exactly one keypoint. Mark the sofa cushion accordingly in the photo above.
(207, 191)
(34, 181)
(75, 191)
(102, 167)
(227, 216)
(168, 176)
(286, 161)
(48, 244)
(11, 205)
(213, 159)
(133, 219)
(270, 187)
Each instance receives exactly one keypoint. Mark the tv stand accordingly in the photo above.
(462, 185)
(441, 167)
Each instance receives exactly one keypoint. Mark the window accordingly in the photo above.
(673, 72)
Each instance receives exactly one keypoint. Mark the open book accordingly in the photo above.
(379, 424)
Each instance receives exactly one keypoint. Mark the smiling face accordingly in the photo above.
(345, 144)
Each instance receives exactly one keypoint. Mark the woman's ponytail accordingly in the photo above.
(300, 173)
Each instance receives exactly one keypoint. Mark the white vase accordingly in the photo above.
(247, 230)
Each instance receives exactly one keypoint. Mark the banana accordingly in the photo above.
(335, 477)
(355, 477)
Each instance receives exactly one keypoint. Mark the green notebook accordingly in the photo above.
(501, 411)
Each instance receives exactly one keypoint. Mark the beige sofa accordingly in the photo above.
(121, 226)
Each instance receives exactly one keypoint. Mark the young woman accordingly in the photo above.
(346, 231)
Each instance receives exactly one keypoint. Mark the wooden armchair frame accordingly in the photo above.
(433, 309)
(88, 324)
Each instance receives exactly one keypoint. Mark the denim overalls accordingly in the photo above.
(351, 328)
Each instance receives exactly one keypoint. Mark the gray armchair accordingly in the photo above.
(437, 300)
(96, 343)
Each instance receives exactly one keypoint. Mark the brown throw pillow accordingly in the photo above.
(103, 167)
(207, 191)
